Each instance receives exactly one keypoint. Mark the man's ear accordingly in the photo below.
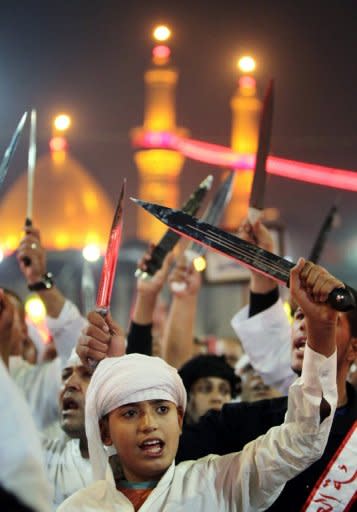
(352, 350)
(180, 415)
(104, 431)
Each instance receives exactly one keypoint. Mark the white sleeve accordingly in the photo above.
(40, 385)
(22, 467)
(253, 479)
(66, 329)
(266, 339)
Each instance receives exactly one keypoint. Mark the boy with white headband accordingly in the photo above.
(136, 403)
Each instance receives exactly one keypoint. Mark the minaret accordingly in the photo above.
(246, 108)
(159, 169)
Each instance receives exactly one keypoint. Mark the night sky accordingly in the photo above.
(88, 58)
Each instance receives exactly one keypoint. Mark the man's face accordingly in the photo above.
(208, 393)
(299, 337)
(75, 381)
(253, 388)
(145, 435)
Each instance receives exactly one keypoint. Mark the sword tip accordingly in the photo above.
(207, 182)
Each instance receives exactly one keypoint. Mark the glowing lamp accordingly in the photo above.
(161, 51)
(199, 263)
(62, 122)
(35, 309)
(91, 252)
(161, 33)
(1, 255)
(246, 64)
(58, 144)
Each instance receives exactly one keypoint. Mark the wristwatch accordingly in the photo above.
(46, 283)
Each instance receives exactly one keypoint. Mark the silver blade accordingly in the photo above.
(31, 165)
(214, 211)
(11, 148)
(249, 255)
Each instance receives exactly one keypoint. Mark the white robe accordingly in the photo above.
(22, 469)
(67, 470)
(250, 480)
(266, 339)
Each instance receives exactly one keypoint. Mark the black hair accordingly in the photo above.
(208, 365)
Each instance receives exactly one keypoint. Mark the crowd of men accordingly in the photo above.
(154, 419)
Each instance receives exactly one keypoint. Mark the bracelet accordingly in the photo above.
(46, 283)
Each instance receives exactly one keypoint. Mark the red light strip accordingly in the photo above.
(222, 156)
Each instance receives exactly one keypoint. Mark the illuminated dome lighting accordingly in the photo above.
(91, 252)
(246, 64)
(35, 309)
(58, 144)
(62, 122)
(161, 52)
(1, 255)
(161, 33)
(199, 263)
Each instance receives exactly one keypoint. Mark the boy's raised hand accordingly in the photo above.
(310, 286)
(101, 338)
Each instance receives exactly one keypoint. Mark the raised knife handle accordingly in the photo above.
(26, 260)
(92, 363)
(343, 299)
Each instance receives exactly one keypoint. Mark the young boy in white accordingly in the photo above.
(136, 404)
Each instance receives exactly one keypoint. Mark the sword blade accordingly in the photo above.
(11, 148)
(31, 164)
(249, 255)
(106, 282)
(214, 211)
(322, 235)
(256, 202)
(170, 239)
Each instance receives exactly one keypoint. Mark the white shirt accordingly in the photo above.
(250, 480)
(67, 470)
(22, 467)
(266, 338)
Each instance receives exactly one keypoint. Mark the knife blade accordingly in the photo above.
(256, 201)
(11, 148)
(248, 255)
(170, 239)
(31, 165)
(213, 214)
(322, 235)
(107, 276)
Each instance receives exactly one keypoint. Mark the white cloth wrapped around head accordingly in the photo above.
(123, 380)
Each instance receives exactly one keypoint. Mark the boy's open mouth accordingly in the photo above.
(152, 447)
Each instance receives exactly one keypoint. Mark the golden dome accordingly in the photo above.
(70, 208)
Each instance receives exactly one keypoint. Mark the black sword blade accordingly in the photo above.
(249, 255)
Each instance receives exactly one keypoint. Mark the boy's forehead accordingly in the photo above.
(144, 402)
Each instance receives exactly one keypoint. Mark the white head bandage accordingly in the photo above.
(123, 380)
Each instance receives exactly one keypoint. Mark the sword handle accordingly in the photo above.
(343, 299)
(92, 363)
(26, 260)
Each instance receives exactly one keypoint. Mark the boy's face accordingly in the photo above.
(145, 435)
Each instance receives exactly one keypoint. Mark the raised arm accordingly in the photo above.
(63, 318)
(257, 475)
(263, 326)
(180, 325)
(147, 293)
